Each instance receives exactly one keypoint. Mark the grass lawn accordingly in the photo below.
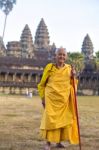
(20, 120)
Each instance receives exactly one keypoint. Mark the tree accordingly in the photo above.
(97, 60)
(97, 54)
(6, 6)
(76, 59)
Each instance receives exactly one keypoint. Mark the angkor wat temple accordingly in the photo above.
(22, 62)
(89, 76)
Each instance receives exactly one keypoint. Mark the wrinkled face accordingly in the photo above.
(61, 56)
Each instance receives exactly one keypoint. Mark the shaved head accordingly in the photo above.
(60, 49)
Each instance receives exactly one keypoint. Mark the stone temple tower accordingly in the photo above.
(2, 47)
(26, 43)
(87, 50)
(42, 36)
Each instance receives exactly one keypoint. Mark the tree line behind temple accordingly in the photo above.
(77, 59)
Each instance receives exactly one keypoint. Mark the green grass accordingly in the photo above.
(20, 120)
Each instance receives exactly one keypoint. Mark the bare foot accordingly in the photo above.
(47, 146)
(59, 145)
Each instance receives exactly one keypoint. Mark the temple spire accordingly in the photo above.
(26, 42)
(2, 47)
(87, 47)
(87, 50)
(42, 36)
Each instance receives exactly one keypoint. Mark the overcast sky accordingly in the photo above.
(68, 21)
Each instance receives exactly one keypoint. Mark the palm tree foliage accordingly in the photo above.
(97, 55)
(97, 60)
(6, 6)
(77, 60)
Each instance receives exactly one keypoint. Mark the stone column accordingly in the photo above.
(6, 76)
(38, 78)
(22, 77)
(14, 77)
(29, 77)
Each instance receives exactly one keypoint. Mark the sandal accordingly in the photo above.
(59, 145)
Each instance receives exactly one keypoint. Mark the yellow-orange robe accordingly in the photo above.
(59, 118)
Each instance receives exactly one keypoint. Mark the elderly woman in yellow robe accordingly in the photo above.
(59, 121)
